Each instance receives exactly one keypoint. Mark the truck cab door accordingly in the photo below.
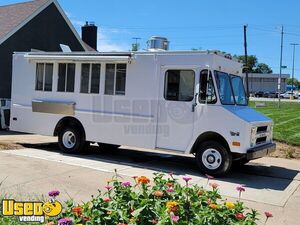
(176, 106)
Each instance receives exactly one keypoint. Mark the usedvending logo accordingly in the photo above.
(31, 211)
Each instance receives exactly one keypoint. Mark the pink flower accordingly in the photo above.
(126, 184)
(214, 185)
(53, 193)
(240, 216)
(108, 187)
(174, 218)
(106, 200)
(170, 189)
(209, 177)
(187, 179)
(241, 188)
(268, 214)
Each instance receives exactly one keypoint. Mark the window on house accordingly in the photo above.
(44, 77)
(115, 79)
(90, 78)
(66, 77)
(179, 85)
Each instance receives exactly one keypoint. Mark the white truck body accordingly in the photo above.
(142, 116)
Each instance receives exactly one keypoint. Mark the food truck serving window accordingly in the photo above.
(66, 77)
(90, 78)
(115, 79)
(179, 85)
(44, 77)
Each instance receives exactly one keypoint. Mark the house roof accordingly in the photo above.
(15, 16)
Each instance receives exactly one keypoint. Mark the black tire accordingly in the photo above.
(77, 140)
(220, 158)
(105, 147)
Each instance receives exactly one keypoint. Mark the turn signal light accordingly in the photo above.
(236, 143)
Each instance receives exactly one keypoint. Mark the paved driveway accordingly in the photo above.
(272, 184)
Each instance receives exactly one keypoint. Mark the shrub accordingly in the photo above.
(165, 202)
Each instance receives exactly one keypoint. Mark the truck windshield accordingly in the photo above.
(231, 89)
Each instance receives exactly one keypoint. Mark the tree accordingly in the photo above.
(252, 62)
(253, 65)
(263, 68)
(296, 82)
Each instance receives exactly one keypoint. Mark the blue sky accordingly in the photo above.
(213, 24)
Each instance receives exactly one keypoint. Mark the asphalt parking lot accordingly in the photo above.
(272, 184)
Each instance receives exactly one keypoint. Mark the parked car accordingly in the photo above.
(288, 94)
(259, 94)
(269, 95)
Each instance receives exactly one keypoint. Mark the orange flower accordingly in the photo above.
(158, 194)
(213, 206)
(50, 223)
(172, 206)
(84, 218)
(77, 210)
(214, 185)
(200, 193)
(109, 212)
(170, 184)
(143, 180)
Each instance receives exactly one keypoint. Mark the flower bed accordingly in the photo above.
(164, 202)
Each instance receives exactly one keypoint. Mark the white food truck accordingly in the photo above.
(190, 102)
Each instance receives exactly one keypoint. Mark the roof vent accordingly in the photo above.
(156, 43)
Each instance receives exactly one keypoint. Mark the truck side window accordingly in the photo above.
(44, 77)
(90, 78)
(179, 85)
(207, 88)
(66, 77)
(115, 79)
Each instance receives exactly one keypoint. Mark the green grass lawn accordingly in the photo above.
(286, 120)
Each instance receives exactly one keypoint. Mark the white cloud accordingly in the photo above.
(105, 36)
(106, 44)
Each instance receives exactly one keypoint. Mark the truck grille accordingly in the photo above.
(262, 129)
(261, 135)
(261, 140)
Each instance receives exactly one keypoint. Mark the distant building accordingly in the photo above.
(37, 24)
(266, 82)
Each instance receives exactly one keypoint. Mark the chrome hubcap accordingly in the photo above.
(211, 159)
(69, 139)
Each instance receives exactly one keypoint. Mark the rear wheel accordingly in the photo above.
(71, 140)
(213, 158)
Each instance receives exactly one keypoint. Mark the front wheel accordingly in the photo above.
(213, 158)
(71, 140)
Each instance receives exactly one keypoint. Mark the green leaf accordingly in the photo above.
(137, 212)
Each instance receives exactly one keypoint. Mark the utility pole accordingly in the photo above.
(280, 70)
(293, 72)
(246, 60)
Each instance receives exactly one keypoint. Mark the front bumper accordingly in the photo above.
(260, 151)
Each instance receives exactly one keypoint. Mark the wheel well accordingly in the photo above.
(210, 136)
(69, 122)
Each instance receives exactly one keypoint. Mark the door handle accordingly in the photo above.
(195, 103)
